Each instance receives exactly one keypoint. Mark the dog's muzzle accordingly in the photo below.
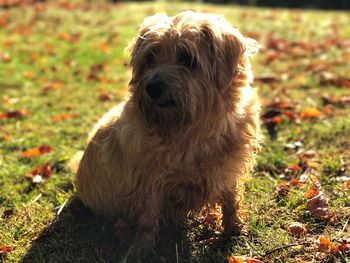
(156, 90)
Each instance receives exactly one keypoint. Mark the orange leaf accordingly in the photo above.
(328, 109)
(347, 184)
(64, 116)
(6, 249)
(104, 47)
(327, 246)
(233, 259)
(343, 247)
(28, 74)
(294, 167)
(310, 113)
(295, 182)
(6, 136)
(37, 151)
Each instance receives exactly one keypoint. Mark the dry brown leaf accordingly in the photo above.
(296, 229)
(282, 189)
(308, 154)
(296, 182)
(14, 114)
(316, 202)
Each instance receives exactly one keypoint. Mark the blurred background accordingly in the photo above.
(323, 4)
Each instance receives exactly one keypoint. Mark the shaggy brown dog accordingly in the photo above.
(186, 135)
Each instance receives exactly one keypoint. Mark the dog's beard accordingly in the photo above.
(166, 115)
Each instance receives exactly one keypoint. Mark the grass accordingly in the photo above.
(59, 58)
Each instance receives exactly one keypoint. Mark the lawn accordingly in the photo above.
(62, 65)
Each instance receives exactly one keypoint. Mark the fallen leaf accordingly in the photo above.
(327, 246)
(6, 136)
(282, 189)
(296, 182)
(105, 96)
(64, 116)
(347, 184)
(44, 170)
(104, 47)
(28, 74)
(294, 167)
(52, 86)
(343, 247)
(316, 202)
(37, 151)
(7, 213)
(94, 71)
(242, 259)
(14, 114)
(253, 260)
(39, 173)
(6, 249)
(233, 259)
(69, 37)
(307, 155)
(310, 113)
(296, 229)
(5, 57)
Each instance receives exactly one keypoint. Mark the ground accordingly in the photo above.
(62, 65)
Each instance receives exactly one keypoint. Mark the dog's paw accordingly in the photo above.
(233, 229)
(143, 243)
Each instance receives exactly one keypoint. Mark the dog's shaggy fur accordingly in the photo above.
(187, 133)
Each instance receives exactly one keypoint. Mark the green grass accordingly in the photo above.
(55, 43)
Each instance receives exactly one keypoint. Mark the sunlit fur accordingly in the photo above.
(150, 164)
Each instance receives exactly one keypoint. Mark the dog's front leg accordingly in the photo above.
(146, 232)
(231, 219)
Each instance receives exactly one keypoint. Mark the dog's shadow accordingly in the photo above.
(78, 236)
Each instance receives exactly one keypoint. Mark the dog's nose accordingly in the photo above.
(155, 88)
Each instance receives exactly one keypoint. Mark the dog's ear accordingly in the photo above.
(149, 29)
(229, 51)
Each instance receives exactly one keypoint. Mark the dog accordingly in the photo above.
(185, 136)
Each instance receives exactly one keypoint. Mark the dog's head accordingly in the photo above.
(188, 68)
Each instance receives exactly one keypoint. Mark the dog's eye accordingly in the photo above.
(186, 60)
(150, 59)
